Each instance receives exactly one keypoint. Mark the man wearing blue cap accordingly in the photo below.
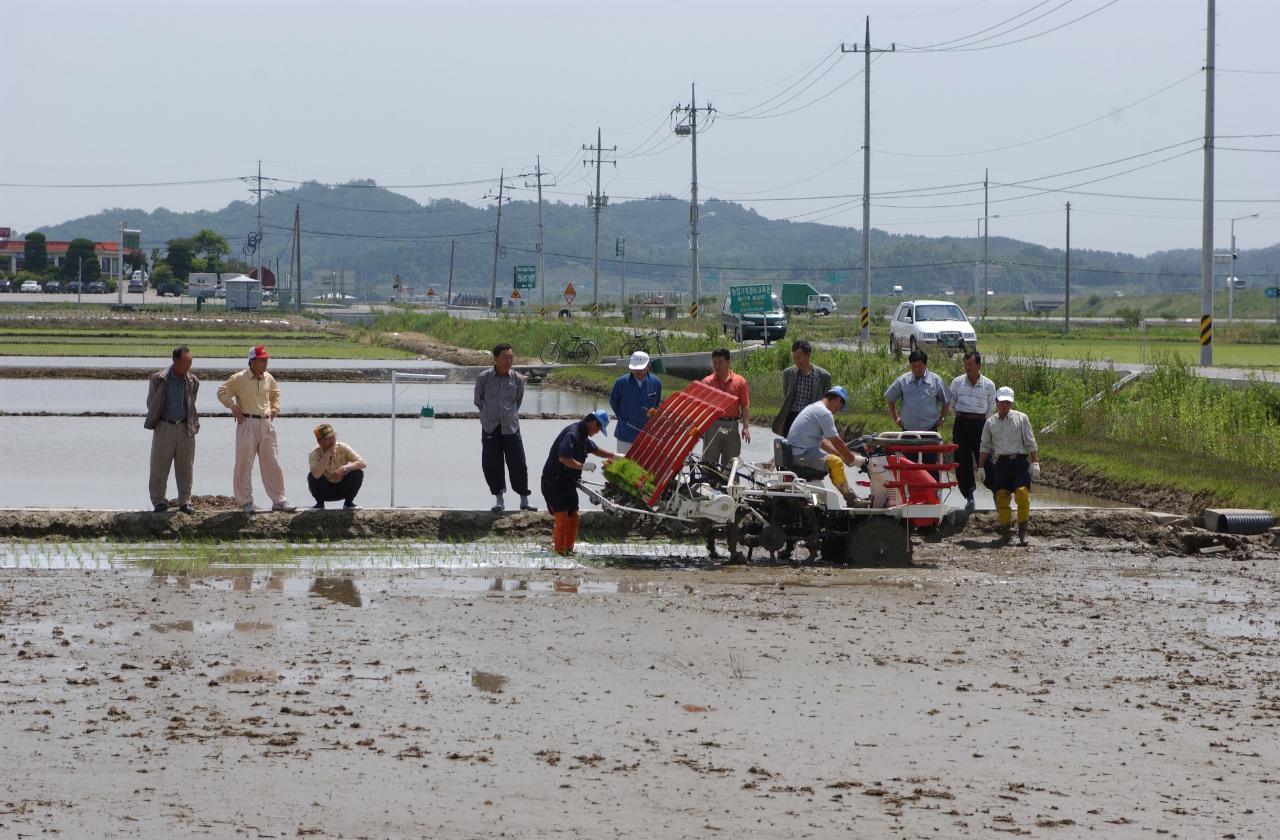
(816, 444)
(565, 464)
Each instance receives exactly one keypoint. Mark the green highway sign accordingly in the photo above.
(526, 276)
(1273, 291)
(751, 299)
(835, 278)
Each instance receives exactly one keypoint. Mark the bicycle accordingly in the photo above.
(573, 349)
(640, 340)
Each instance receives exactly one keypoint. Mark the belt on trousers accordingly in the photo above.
(971, 415)
(1007, 457)
(174, 422)
(728, 419)
(257, 416)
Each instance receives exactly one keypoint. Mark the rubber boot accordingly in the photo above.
(1022, 533)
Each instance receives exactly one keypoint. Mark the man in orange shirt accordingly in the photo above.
(723, 442)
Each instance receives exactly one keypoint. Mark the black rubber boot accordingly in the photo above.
(1022, 533)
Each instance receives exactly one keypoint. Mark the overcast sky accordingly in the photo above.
(430, 92)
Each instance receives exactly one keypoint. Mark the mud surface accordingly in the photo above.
(1078, 688)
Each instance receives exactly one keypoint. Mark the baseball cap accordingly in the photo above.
(259, 352)
(323, 431)
(1004, 394)
(602, 417)
(840, 392)
(639, 360)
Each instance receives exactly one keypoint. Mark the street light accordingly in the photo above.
(1231, 279)
(984, 227)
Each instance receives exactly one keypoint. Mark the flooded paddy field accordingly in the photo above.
(1083, 687)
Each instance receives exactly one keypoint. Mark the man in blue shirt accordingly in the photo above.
(924, 396)
(565, 464)
(816, 444)
(634, 396)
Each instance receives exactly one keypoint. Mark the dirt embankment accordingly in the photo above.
(1080, 480)
(1115, 529)
(425, 345)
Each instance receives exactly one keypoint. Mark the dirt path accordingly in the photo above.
(1064, 691)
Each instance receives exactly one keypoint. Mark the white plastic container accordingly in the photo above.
(427, 417)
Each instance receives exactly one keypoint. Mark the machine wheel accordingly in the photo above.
(551, 353)
(733, 538)
(879, 541)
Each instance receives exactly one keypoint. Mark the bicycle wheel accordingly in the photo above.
(629, 346)
(551, 353)
(659, 345)
(590, 352)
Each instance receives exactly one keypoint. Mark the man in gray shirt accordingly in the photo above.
(499, 393)
(174, 422)
(924, 398)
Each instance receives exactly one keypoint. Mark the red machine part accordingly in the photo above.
(675, 428)
(918, 483)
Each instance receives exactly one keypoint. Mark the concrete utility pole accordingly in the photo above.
(257, 247)
(864, 317)
(497, 236)
(690, 129)
(597, 201)
(297, 251)
(448, 296)
(1206, 208)
(620, 250)
(1231, 280)
(1066, 324)
(120, 269)
(986, 231)
(542, 286)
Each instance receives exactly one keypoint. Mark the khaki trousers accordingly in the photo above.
(256, 438)
(722, 443)
(171, 446)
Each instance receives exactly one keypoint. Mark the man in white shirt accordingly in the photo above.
(1009, 450)
(816, 444)
(973, 400)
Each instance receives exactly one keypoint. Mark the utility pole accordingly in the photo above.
(1206, 208)
(1066, 324)
(257, 248)
(864, 317)
(542, 285)
(448, 297)
(986, 231)
(1231, 280)
(596, 201)
(690, 129)
(497, 236)
(620, 250)
(297, 249)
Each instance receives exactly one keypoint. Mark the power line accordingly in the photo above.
(968, 48)
(981, 31)
(197, 182)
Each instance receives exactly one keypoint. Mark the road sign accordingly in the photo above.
(569, 294)
(1274, 291)
(526, 276)
(748, 299)
(515, 294)
(835, 278)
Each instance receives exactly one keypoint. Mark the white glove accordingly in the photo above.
(1035, 470)
(981, 475)
(589, 466)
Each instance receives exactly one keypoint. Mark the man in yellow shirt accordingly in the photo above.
(337, 470)
(254, 400)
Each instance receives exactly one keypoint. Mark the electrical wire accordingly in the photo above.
(1107, 115)
(969, 48)
(199, 182)
(984, 30)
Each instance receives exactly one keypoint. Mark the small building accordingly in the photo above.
(1042, 303)
(12, 255)
(243, 293)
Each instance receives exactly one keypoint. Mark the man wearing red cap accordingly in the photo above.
(254, 400)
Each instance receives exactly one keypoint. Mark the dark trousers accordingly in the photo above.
(495, 448)
(967, 434)
(323, 490)
(786, 424)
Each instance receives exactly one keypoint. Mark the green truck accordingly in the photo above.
(802, 297)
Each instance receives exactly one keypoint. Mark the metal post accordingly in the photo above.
(120, 269)
(80, 287)
(1066, 324)
(1231, 280)
(258, 246)
(396, 376)
(620, 247)
(1206, 208)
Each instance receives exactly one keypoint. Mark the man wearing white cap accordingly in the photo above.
(1009, 450)
(634, 397)
(254, 400)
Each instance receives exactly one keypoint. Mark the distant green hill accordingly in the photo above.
(377, 233)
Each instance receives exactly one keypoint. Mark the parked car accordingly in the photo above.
(926, 324)
(30, 286)
(753, 325)
(53, 287)
(172, 287)
(73, 287)
(137, 285)
(96, 287)
(5, 286)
